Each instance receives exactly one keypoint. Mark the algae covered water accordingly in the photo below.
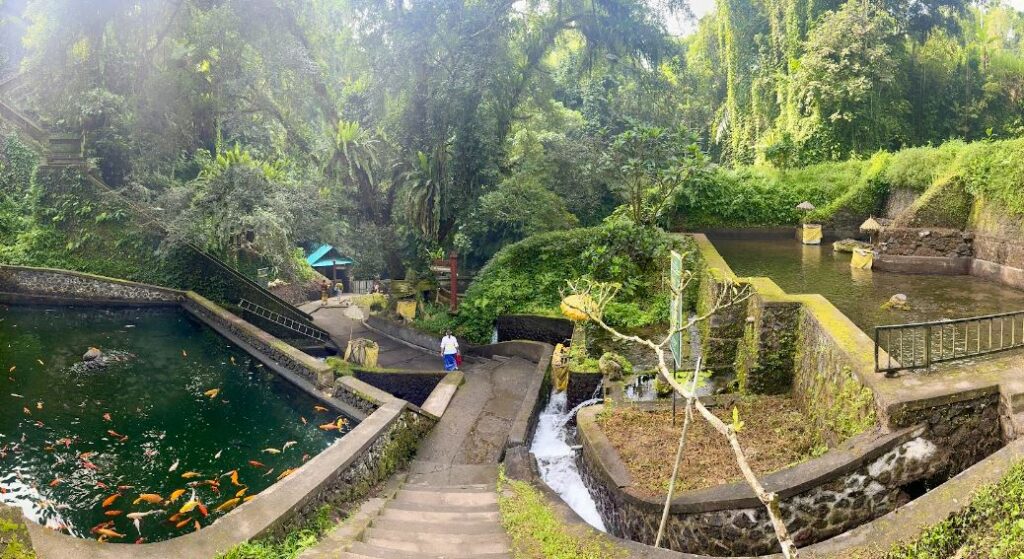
(180, 423)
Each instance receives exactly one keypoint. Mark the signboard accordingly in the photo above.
(675, 342)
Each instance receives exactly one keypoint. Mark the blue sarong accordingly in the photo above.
(449, 362)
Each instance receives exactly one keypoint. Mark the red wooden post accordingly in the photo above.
(453, 262)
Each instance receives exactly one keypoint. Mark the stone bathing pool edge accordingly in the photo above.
(346, 471)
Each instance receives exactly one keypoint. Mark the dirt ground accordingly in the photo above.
(775, 435)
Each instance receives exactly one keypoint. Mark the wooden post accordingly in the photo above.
(453, 262)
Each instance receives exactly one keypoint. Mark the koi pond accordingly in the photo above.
(860, 294)
(172, 428)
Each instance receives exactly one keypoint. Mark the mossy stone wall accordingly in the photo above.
(824, 383)
(764, 359)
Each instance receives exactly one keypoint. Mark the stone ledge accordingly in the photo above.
(939, 265)
(793, 480)
(442, 395)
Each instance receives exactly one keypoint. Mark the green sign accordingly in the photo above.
(675, 342)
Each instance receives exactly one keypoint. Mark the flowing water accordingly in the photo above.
(556, 460)
(859, 294)
(72, 438)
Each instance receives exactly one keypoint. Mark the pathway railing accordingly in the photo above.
(919, 345)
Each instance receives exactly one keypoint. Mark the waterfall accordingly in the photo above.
(556, 459)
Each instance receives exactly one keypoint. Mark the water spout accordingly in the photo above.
(556, 459)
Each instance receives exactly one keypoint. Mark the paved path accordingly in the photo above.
(446, 506)
(346, 323)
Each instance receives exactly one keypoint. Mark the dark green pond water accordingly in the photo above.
(61, 456)
(860, 293)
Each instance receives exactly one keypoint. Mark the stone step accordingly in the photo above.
(362, 550)
(469, 488)
(442, 544)
(427, 525)
(457, 498)
(418, 515)
(431, 507)
(421, 536)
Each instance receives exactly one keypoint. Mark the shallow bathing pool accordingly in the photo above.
(185, 414)
(859, 294)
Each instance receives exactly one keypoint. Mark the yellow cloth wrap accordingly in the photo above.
(406, 310)
(811, 234)
(560, 368)
(862, 259)
(362, 351)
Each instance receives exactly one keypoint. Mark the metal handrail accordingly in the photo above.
(919, 345)
(284, 321)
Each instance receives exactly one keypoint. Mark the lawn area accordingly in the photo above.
(776, 434)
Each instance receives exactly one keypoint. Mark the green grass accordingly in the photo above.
(538, 533)
(991, 527)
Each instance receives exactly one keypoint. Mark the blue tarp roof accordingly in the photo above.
(320, 258)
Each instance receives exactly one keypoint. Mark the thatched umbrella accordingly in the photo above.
(805, 206)
(871, 227)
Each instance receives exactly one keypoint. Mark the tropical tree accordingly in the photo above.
(650, 165)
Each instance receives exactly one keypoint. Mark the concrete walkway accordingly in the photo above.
(446, 506)
(345, 323)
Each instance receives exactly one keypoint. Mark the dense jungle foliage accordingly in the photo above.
(398, 130)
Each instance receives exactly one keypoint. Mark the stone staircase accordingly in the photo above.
(422, 521)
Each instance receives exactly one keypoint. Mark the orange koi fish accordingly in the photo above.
(320, 409)
(183, 523)
(256, 464)
(110, 500)
(151, 498)
(175, 495)
(190, 475)
(286, 473)
(109, 533)
(228, 505)
(114, 513)
(212, 393)
(234, 478)
(241, 492)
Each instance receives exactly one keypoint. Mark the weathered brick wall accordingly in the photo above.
(946, 243)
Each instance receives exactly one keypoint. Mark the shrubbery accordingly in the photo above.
(527, 277)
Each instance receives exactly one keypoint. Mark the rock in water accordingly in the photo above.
(93, 354)
(848, 245)
(898, 301)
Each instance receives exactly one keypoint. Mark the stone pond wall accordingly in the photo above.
(819, 499)
(828, 378)
(22, 284)
(389, 449)
(412, 386)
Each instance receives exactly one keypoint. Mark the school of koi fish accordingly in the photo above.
(149, 449)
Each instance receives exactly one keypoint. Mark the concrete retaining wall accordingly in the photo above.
(819, 498)
(535, 328)
(412, 386)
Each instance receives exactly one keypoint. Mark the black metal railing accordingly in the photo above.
(919, 345)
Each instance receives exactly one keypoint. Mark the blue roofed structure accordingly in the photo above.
(327, 256)
(331, 264)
